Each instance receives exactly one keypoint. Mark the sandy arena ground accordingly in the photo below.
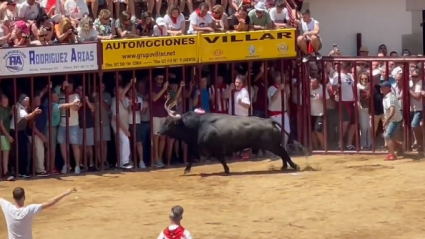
(350, 197)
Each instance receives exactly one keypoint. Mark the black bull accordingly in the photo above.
(219, 134)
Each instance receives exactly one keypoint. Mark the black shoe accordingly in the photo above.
(42, 174)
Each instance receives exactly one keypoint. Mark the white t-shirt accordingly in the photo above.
(19, 220)
(87, 36)
(279, 17)
(75, 8)
(174, 26)
(186, 233)
(316, 101)
(276, 105)
(308, 27)
(11, 15)
(391, 100)
(130, 110)
(157, 31)
(73, 114)
(21, 113)
(194, 19)
(347, 84)
(244, 96)
(415, 105)
(28, 12)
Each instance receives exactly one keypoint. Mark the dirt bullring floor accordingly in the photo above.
(350, 197)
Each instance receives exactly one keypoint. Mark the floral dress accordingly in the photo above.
(104, 30)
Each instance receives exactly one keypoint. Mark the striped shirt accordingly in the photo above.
(220, 105)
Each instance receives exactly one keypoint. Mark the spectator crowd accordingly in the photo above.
(30, 22)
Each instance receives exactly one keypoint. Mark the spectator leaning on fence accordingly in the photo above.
(175, 229)
(241, 20)
(104, 108)
(392, 120)
(279, 15)
(220, 21)
(310, 42)
(160, 29)
(105, 25)
(260, 18)
(159, 115)
(200, 20)
(135, 107)
(175, 21)
(363, 96)
(19, 217)
(39, 135)
(317, 111)
(416, 107)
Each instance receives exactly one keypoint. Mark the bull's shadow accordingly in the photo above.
(246, 173)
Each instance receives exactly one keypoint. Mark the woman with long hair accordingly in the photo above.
(174, 21)
(363, 92)
(125, 28)
(220, 22)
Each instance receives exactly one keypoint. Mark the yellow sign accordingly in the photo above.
(242, 46)
(150, 52)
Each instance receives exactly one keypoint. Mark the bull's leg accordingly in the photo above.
(223, 162)
(188, 166)
(286, 159)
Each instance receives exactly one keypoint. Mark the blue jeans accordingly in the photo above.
(416, 118)
(391, 130)
(145, 131)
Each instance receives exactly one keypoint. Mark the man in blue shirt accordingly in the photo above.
(205, 96)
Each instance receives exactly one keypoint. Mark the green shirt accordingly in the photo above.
(5, 118)
(263, 21)
(56, 115)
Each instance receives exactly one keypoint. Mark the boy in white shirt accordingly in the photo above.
(160, 29)
(392, 117)
(175, 230)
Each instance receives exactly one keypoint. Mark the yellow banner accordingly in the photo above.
(150, 52)
(239, 46)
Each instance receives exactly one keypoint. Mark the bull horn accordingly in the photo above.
(170, 112)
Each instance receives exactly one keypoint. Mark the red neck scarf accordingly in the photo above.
(198, 12)
(276, 85)
(161, 30)
(216, 18)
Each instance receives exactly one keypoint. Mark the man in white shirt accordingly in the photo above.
(175, 230)
(310, 41)
(393, 118)
(200, 20)
(274, 95)
(279, 15)
(345, 90)
(74, 128)
(317, 110)
(416, 107)
(19, 217)
(241, 101)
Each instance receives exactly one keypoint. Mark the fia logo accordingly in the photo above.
(251, 50)
(14, 60)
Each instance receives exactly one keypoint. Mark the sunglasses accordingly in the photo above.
(45, 35)
(363, 78)
(216, 12)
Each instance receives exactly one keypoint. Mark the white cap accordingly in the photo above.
(160, 21)
(260, 6)
(376, 72)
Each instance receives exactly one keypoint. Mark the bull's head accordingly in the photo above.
(184, 127)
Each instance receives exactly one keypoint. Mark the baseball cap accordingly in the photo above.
(21, 25)
(385, 84)
(160, 21)
(376, 72)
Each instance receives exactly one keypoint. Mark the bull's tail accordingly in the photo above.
(295, 143)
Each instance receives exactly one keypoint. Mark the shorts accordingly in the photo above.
(89, 137)
(416, 118)
(5, 144)
(54, 136)
(316, 123)
(347, 112)
(157, 122)
(74, 134)
(391, 130)
(138, 132)
(106, 133)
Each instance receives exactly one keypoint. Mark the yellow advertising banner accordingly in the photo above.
(150, 52)
(242, 46)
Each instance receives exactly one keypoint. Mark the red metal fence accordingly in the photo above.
(296, 76)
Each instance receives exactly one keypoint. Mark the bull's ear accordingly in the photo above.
(190, 120)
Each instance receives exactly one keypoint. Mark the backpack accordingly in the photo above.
(177, 233)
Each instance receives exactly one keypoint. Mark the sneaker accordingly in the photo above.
(159, 164)
(77, 170)
(127, 166)
(26, 175)
(306, 58)
(9, 177)
(318, 56)
(350, 147)
(142, 164)
(42, 174)
(390, 157)
(64, 170)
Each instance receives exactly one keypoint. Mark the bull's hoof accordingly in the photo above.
(284, 167)
(296, 167)
(186, 171)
